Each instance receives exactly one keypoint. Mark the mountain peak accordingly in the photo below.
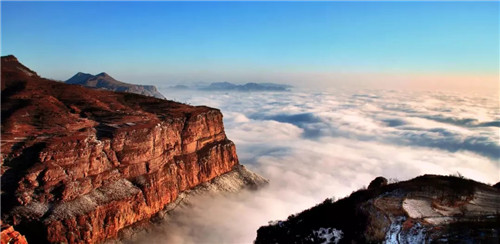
(12, 64)
(9, 58)
(82, 74)
(79, 78)
(103, 74)
(105, 81)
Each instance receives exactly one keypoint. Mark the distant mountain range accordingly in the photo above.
(105, 81)
(227, 86)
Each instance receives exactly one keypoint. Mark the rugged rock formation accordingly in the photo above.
(79, 165)
(377, 182)
(232, 182)
(497, 185)
(10, 236)
(437, 209)
(105, 81)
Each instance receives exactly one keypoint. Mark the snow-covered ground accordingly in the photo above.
(329, 235)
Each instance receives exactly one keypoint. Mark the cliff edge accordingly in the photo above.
(79, 165)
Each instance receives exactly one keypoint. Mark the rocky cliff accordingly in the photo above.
(240, 178)
(427, 209)
(105, 81)
(79, 165)
(11, 236)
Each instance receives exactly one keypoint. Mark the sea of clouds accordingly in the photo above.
(317, 145)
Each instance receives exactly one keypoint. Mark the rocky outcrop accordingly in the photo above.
(497, 185)
(11, 236)
(377, 182)
(79, 165)
(105, 81)
(427, 209)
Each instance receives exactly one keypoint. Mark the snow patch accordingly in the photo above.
(392, 235)
(330, 235)
(396, 234)
(417, 234)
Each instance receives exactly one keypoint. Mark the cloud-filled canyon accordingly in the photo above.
(313, 146)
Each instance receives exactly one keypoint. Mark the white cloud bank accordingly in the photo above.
(317, 145)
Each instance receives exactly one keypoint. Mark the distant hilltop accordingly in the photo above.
(227, 86)
(105, 81)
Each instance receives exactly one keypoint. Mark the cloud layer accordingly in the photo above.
(317, 145)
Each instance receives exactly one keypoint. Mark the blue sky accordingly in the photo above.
(154, 42)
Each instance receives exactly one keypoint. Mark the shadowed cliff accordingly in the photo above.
(429, 208)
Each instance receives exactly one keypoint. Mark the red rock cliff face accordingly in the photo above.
(10, 236)
(79, 165)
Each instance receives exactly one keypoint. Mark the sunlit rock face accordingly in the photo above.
(79, 165)
(237, 182)
(426, 209)
(11, 236)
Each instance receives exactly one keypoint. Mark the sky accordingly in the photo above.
(325, 44)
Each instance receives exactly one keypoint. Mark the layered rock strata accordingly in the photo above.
(233, 182)
(427, 209)
(79, 165)
(11, 236)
